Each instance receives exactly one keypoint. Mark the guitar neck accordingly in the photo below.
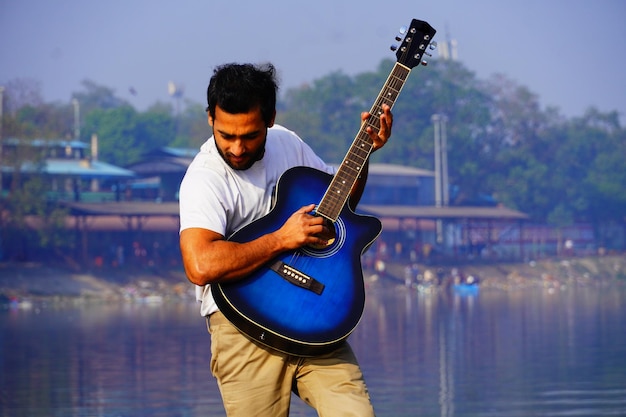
(352, 165)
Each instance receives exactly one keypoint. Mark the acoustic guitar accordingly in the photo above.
(305, 302)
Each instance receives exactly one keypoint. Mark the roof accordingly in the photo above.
(396, 170)
(399, 170)
(168, 151)
(431, 212)
(80, 167)
(124, 208)
(180, 152)
(422, 212)
(168, 159)
(40, 142)
(162, 166)
(164, 160)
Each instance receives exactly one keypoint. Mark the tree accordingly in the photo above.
(31, 222)
(325, 114)
(500, 141)
(97, 97)
(117, 134)
(192, 127)
(21, 92)
(598, 143)
(521, 154)
(155, 127)
(27, 116)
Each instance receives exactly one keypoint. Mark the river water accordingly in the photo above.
(515, 352)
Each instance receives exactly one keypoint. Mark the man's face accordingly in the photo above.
(240, 138)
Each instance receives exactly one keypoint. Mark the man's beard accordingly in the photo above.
(252, 158)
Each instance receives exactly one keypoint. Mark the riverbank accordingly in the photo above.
(30, 283)
(547, 273)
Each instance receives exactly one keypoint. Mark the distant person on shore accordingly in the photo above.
(426, 250)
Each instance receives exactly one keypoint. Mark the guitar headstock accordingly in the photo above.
(417, 39)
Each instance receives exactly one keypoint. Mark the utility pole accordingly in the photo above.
(442, 195)
(445, 189)
(76, 105)
(437, 125)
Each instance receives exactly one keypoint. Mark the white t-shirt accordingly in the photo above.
(216, 197)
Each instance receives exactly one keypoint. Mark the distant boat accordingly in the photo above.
(469, 285)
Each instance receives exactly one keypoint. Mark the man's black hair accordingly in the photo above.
(239, 88)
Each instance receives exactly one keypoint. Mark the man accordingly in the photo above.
(229, 184)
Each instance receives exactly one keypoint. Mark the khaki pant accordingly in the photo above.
(257, 381)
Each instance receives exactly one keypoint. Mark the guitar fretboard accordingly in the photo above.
(352, 165)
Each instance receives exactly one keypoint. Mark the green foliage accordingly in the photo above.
(500, 141)
(155, 128)
(192, 127)
(95, 96)
(117, 130)
(31, 222)
(332, 114)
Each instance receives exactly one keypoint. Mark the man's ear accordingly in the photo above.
(271, 123)
(210, 119)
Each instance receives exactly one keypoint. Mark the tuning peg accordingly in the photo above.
(394, 48)
(424, 63)
(432, 45)
(402, 30)
(398, 38)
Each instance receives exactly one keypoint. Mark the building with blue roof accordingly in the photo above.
(122, 207)
(71, 171)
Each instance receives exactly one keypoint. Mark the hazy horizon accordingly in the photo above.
(569, 53)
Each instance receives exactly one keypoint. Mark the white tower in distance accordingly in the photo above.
(176, 91)
(448, 49)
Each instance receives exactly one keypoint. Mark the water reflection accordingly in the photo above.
(495, 353)
(106, 360)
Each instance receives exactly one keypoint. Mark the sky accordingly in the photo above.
(570, 53)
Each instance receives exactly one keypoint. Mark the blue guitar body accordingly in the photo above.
(274, 305)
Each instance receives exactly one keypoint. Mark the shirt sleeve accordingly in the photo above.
(202, 202)
(303, 153)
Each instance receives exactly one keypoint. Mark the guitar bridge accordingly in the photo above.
(296, 277)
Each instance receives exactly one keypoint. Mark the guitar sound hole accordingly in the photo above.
(329, 235)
